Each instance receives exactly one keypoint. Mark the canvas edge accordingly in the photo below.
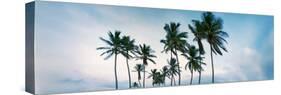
(29, 47)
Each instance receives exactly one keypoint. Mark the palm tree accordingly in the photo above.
(128, 47)
(145, 54)
(155, 76)
(113, 48)
(215, 35)
(174, 41)
(165, 73)
(158, 79)
(139, 68)
(199, 34)
(173, 69)
(194, 60)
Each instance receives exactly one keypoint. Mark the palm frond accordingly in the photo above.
(151, 60)
(99, 48)
(108, 56)
(106, 41)
(108, 51)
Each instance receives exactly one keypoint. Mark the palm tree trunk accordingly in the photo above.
(164, 81)
(199, 80)
(115, 71)
(143, 76)
(178, 68)
(174, 81)
(170, 60)
(171, 81)
(129, 74)
(213, 72)
(191, 77)
(139, 83)
(171, 54)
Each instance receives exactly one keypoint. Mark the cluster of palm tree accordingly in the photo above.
(209, 28)
(125, 46)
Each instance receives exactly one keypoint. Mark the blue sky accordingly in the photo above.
(67, 36)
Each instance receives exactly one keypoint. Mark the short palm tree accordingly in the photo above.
(113, 48)
(173, 69)
(174, 41)
(215, 35)
(197, 30)
(194, 60)
(158, 79)
(153, 75)
(144, 53)
(129, 48)
(165, 73)
(156, 76)
(139, 68)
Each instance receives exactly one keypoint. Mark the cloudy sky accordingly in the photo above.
(67, 35)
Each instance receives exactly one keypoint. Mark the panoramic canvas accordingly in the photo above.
(74, 47)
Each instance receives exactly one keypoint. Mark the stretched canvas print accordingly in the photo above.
(72, 47)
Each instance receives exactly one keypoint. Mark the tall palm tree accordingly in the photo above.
(139, 68)
(174, 41)
(113, 48)
(194, 60)
(199, 34)
(215, 35)
(173, 69)
(129, 48)
(145, 54)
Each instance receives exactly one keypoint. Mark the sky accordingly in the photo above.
(67, 35)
